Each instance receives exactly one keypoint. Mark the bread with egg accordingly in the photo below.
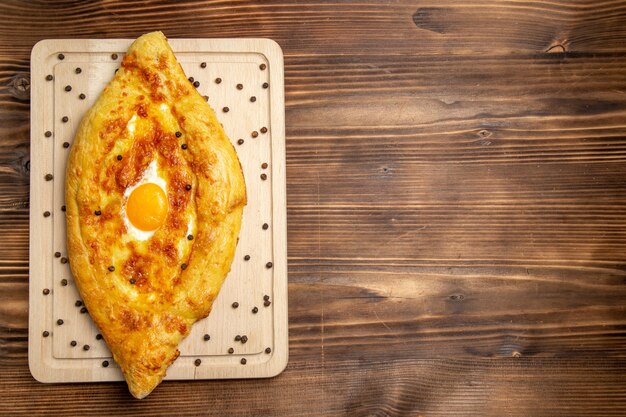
(155, 195)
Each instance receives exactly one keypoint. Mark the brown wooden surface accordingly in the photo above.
(456, 206)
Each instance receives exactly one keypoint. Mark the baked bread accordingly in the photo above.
(155, 195)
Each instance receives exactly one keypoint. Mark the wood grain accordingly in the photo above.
(456, 206)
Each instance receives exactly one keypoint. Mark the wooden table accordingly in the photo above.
(457, 207)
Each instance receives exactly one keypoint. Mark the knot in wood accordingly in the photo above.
(556, 48)
(20, 86)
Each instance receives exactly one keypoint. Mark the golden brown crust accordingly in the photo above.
(144, 321)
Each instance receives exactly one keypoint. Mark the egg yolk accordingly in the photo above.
(147, 207)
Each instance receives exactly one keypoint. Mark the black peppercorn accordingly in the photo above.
(98, 336)
(225, 109)
(239, 86)
(78, 303)
(132, 281)
(46, 291)
(46, 214)
(105, 364)
(265, 226)
(97, 212)
(111, 268)
(206, 337)
(265, 85)
(263, 129)
(119, 157)
(246, 258)
(48, 134)
(82, 96)
(197, 362)
(255, 310)
(68, 88)
(64, 282)
(237, 338)
(203, 65)
(66, 145)
(240, 142)
(218, 80)
(268, 350)
(178, 134)
(188, 187)
(263, 177)
(269, 265)
(231, 350)
(184, 146)
(264, 165)
(183, 266)
(61, 56)
(73, 343)
(243, 361)
(262, 66)
(45, 333)
(235, 304)
(57, 254)
(86, 348)
(60, 322)
(255, 134)
(49, 77)
(83, 310)
(113, 56)
(65, 119)
(78, 70)
(252, 99)
(196, 84)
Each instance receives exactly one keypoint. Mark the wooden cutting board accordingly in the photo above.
(243, 79)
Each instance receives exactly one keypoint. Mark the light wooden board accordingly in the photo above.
(87, 66)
